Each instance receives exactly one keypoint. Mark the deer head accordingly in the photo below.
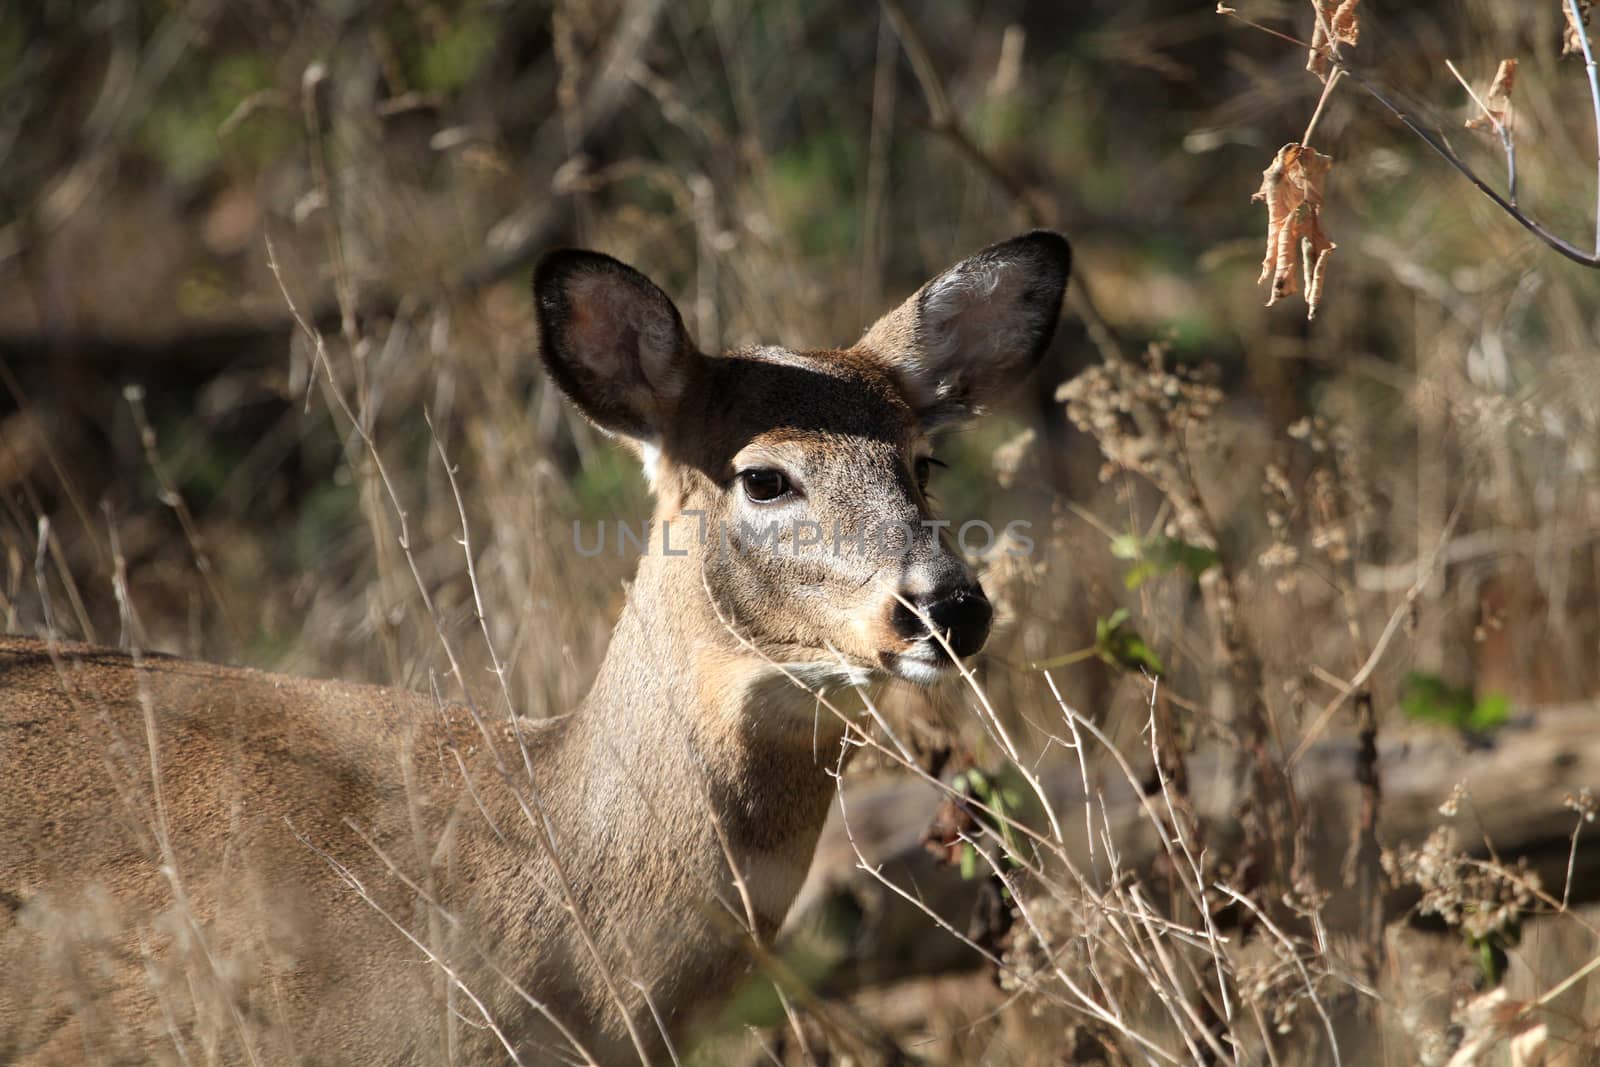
(794, 482)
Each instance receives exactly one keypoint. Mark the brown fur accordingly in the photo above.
(256, 905)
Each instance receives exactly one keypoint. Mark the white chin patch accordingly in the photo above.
(922, 670)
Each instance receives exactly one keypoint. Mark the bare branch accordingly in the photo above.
(1575, 17)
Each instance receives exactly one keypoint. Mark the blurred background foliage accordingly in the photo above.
(779, 168)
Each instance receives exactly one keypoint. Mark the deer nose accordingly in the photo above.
(962, 614)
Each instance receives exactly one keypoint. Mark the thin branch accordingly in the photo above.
(1565, 984)
(1436, 142)
(1294, 957)
(1503, 130)
(312, 81)
(1224, 9)
(1401, 612)
(173, 498)
(1572, 860)
(994, 718)
(1322, 102)
(1594, 99)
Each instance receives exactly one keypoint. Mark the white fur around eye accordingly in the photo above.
(650, 459)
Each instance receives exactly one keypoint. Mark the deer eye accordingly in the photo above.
(923, 469)
(764, 484)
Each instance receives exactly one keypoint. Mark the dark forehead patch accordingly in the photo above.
(761, 392)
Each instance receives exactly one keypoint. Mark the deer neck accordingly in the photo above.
(704, 724)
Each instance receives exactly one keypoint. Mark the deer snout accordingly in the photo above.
(961, 613)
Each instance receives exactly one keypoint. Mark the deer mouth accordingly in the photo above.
(924, 662)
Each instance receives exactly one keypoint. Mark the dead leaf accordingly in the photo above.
(1572, 34)
(1497, 102)
(1292, 190)
(1337, 18)
(1346, 23)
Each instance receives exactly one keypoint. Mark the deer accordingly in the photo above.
(200, 862)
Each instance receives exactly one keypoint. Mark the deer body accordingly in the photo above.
(200, 861)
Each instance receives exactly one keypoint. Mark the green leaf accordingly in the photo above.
(1490, 958)
(1492, 948)
(1491, 711)
(1429, 698)
(1160, 555)
(1121, 646)
(1139, 573)
(1004, 806)
(1196, 559)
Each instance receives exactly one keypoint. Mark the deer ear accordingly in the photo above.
(977, 328)
(612, 342)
